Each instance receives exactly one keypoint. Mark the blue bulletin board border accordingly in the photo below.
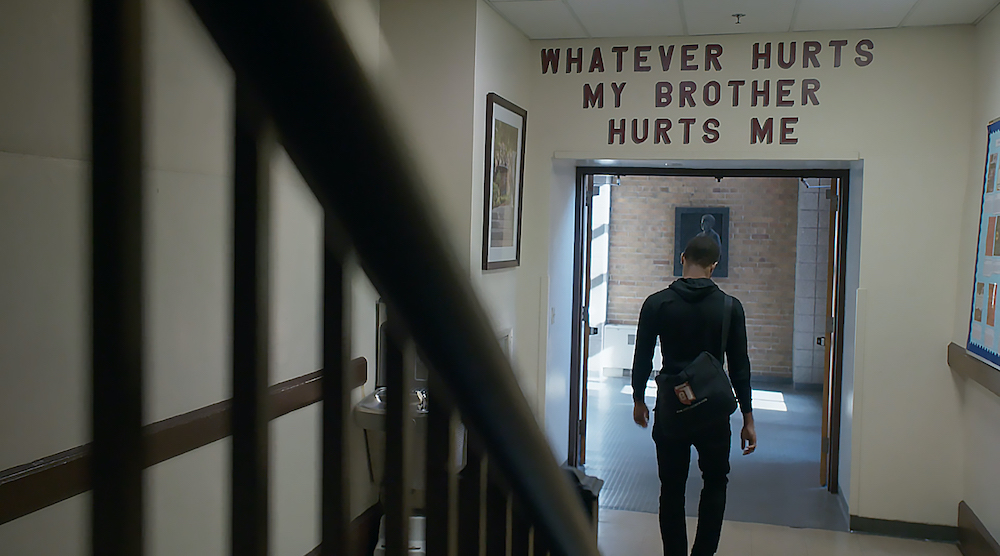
(983, 354)
(978, 350)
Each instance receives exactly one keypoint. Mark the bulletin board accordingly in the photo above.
(984, 321)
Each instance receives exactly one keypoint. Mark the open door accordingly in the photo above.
(586, 330)
(580, 343)
(824, 461)
(830, 444)
(590, 277)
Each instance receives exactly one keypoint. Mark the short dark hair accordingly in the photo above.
(702, 251)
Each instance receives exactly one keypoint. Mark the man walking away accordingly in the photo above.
(688, 317)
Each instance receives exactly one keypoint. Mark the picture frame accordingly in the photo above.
(692, 221)
(506, 124)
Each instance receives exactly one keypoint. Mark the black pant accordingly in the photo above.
(673, 457)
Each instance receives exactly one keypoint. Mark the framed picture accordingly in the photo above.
(702, 221)
(504, 183)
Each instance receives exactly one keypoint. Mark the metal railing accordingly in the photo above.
(298, 84)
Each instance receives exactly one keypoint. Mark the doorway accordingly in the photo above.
(786, 232)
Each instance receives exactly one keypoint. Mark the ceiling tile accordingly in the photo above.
(715, 17)
(948, 12)
(541, 19)
(629, 18)
(822, 15)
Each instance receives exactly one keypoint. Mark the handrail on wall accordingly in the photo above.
(970, 367)
(293, 57)
(46, 481)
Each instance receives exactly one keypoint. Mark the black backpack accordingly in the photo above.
(703, 383)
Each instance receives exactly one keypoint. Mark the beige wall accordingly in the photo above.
(907, 117)
(980, 408)
(427, 69)
(510, 295)
(440, 61)
(45, 284)
(435, 63)
(556, 325)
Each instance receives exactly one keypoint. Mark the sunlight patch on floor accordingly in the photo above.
(768, 400)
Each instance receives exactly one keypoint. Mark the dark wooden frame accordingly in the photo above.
(117, 292)
(836, 383)
(252, 147)
(493, 99)
(837, 378)
(722, 269)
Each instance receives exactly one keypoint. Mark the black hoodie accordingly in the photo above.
(687, 317)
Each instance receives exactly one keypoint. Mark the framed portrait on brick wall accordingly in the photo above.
(708, 221)
(504, 183)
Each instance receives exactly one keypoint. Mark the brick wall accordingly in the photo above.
(813, 248)
(762, 241)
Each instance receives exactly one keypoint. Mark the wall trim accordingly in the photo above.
(968, 366)
(904, 529)
(974, 539)
(30, 487)
(843, 504)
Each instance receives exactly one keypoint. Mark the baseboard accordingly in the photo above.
(973, 537)
(845, 508)
(904, 529)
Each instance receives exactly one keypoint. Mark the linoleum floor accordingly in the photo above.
(624, 533)
(777, 485)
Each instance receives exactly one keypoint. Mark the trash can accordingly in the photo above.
(589, 489)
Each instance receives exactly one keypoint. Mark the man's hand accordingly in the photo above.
(640, 414)
(748, 436)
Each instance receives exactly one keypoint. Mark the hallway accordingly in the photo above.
(777, 485)
(624, 533)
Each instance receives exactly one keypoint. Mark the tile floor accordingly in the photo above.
(625, 533)
(777, 485)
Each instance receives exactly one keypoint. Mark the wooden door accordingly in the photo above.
(829, 455)
(585, 320)
(581, 329)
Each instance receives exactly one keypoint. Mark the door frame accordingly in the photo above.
(584, 186)
(584, 180)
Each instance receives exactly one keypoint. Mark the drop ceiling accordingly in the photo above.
(564, 19)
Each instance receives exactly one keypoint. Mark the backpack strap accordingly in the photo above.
(726, 318)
